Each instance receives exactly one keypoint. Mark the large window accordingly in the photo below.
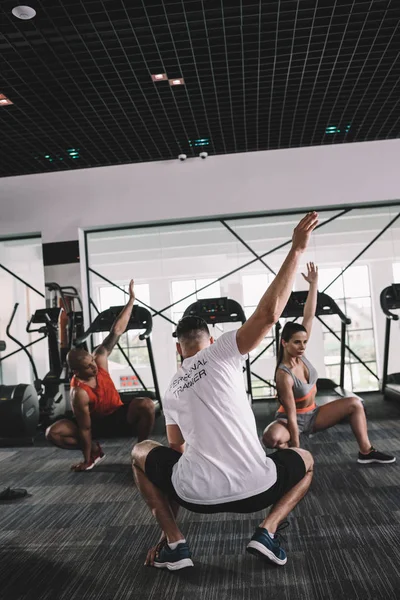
(178, 259)
(353, 295)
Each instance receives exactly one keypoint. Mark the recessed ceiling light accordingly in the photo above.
(332, 129)
(24, 12)
(199, 142)
(4, 101)
(180, 81)
(159, 77)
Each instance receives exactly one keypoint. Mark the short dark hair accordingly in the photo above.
(75, 358)
(189, 329)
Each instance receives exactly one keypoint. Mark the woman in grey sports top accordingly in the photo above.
(296, 384)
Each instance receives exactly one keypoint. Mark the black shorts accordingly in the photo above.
(290, 469)
(114, 425)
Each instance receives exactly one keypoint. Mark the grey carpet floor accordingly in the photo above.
(84, 536)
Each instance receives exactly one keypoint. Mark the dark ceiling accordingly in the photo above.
(258, 75)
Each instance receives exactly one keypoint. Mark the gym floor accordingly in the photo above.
(84, 536)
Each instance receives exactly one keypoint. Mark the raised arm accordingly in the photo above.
(103, 351)
(284, 387)
(311, 302)
(271, 305)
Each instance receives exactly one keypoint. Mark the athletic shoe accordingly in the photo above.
(375, 457)
(173, 559)
(268, 548)
(13, 494)
(97, 457)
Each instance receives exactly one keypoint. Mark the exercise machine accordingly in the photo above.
(71, 318)
(221, 310)
(59, 322)
(328, 390)
(19, 409)
(140, 319)
(53, 388)
(390, 300)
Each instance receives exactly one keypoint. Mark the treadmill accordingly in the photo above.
(221, 310)
(327, 389)
(390, 300)
(140, 319)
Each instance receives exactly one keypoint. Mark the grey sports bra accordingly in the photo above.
(302, 388)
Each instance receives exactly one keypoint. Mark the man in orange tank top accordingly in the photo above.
(96, 404)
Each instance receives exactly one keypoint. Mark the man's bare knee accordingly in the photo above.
(270, 440)
(145, 405)
(140, 451)
(53, 434)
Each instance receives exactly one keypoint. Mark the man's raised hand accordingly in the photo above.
(131, 290)
(302, 233)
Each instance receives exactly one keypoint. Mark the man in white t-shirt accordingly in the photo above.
(215, 462)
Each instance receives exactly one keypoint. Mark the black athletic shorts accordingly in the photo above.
(290, 469)
(114, 425)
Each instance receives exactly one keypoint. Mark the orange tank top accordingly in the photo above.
(104, 398)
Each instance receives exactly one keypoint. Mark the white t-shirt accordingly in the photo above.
(223, 459)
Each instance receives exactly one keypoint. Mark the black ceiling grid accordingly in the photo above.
(258, 75)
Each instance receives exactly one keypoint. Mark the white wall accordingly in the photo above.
(58, 204)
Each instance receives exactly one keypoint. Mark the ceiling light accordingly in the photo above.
(4, 101)
(199, 142)
(24, 12)
(180, 81)
(159, 77)
(334, 129)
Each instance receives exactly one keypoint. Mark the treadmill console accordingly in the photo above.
(213, 306)
(326, 305)
(140, 319)
(216, 310)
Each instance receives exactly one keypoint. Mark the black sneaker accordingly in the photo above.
(262, 545)
(375, 457)
(173, 560)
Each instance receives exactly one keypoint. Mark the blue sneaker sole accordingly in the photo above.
(175, 566)
(262, 551)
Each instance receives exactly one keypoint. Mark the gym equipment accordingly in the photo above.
(60, 322)
(53, 388)
(140, 319)
(328, 390)
(221, 310)
(71, 319)
(390, 300)
(19, 409)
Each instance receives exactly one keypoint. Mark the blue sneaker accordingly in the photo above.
(180, 558)
(263, 545)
